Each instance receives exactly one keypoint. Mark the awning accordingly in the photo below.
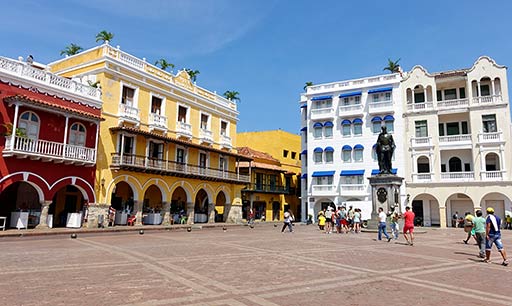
(304, 152)
(351, 94)
(319, 98)
(317, 124)
(351, 172)
(376, 171)
(328, 123)
(346, 122)
(304, 129)
(377, 90)
(389, 118)
(357, 120)
(304, 106)
(305, 175)
(323, 173)
(329, 149)
(318, 150)
(376, 119)
(346, 148)
(358, 147)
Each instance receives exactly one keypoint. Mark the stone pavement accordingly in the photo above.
(244, 266)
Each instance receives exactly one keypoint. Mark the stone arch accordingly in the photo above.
(67, 199)
(497, 200)
(187, 188)
(201, 201)
(85, 188)
(323, 202)
(226, 191)
(153, 198)
(492, 162)
(429, 211)
(497, 86)
(160, 184)
(422, 163)
(128, 179)
(207, 188)
(40, 184)
(20, 195)
(459, 203)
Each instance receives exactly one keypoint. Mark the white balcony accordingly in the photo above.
(420, 107)
(455, 141)
(381, 107)
(494, 137)
(421, 142)
(458, 176)
(422, 177)
(157, 121)
(350, 110)
(206, 136)
(487, 100)
(184, 129)
(322, 113)
(353, 189)
(225, 141)
(45, 150)
(453, 105)
(492, 175)
(323, 190)
(128, 113)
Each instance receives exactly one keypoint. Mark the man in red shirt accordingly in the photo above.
(409, 225)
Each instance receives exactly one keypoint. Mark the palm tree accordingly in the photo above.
(72, 49)
(393, 66)
(193, 74)
(163, 64)
(307, 85)
(232, 95)
(104, 36)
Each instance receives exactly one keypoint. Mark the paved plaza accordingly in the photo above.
(243, 266)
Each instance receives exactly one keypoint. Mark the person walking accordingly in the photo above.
(479, 228)
(382, 225)
(328, 220)
(250, 217)
(395, 228)
(493, 236)
(468, 227)
(288, 218)
(409, 225)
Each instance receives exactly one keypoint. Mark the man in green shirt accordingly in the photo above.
(479, 228)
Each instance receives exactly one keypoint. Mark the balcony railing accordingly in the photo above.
(488, 99)
(355, 83)
(455, 139)
(129, 112)
(269, 188)
(492, 175)
(206, 135)
(48, 150)
(350, 109)
(422, 177)
(458, 176)
(323, 189)
(225, 141)
(417, 142)
(351, 189)
(450, 104)
(321, 113)
(157, 121)
(184, 129)
(382, 106)
(425, 106)
(490, 137)
(144, 163)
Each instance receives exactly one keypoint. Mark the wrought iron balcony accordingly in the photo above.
(267, 188)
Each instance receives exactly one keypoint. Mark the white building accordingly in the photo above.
(458, 130)
(340, 125)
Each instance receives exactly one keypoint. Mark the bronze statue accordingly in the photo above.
(384, 150)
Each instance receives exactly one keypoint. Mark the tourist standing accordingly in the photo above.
(288, 218)
(479, 228)
(357, 220)
(382, 225)
(250, 217)
(394, 225)
(328, 220)
(321, 221)
(409, 225)
(493, 235)
(343, 221)
(455, 219)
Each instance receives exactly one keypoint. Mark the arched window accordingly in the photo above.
(492, 162)
(455, 164)
(77, 134)
(423, 164)
(29, 123)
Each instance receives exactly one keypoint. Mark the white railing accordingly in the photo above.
(488, 99)
(458, 176)
(157, 120)
(317, 113)
(422, 177)
(490, 137)
(350, 108)
(354, 83)
(225, 141)
(421, 141)
(184, 128)
(492, 175)
(206, 135)
(34, 75)
(323, 189)
(455, 138)
(129, 112)
(377, 106)
(453, 103)
(420, 106)
(49, 149)
(351, 188)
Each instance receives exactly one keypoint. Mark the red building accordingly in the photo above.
(48, 143)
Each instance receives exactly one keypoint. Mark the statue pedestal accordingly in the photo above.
(385, 194)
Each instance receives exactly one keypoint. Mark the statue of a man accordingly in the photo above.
(384, 150)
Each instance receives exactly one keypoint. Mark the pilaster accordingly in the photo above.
(43, 219)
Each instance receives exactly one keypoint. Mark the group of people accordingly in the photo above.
(340, 220)
(486, 232)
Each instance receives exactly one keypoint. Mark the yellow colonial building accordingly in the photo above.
(166, 149)
(281, 178)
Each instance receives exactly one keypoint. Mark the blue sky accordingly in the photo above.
(268, 49)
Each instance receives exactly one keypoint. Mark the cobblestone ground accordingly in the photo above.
(244, 266)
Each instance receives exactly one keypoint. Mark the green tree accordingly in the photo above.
(163, 64)
(307, 85)
(72, 49)
(104, 36)
(232, 95)
(193, 74)
(392, 66)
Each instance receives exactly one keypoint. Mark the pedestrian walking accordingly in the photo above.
(288, 219)
(395, 228)
(328, 220)
(468, 227)
(250, 217)
(409, 225)
(479, 228)
(382, 225)
(493, 236)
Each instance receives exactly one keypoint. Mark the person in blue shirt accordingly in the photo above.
(493, 233)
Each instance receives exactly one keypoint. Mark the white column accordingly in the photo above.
(492, 89)
(425, 94)
(96, 142)
(412, 96)
(15, 123)
(64, 142)
(502, 159)
(478, 88)
(146, 157)
(122, 149)
(482, 164)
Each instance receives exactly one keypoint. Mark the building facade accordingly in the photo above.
(285, 147)
(50, 128)
(458, 134)
(166, 146)
(340, 125)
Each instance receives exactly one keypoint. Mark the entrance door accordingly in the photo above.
(275, 210)
(417, 208)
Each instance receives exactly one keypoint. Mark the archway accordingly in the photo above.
(67, 207)
(426, 207)
(458, 204)
(220, 204)
(152, 200)
(454, 165)
(492, 162)
(423, 164)
(321, 204)
(122, 197)
(21, 197)
(201, 207)
(500, 202)
(178, 205)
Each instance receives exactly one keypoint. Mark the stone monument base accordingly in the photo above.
(385, 195)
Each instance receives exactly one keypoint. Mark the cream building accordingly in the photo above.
(458, 131)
